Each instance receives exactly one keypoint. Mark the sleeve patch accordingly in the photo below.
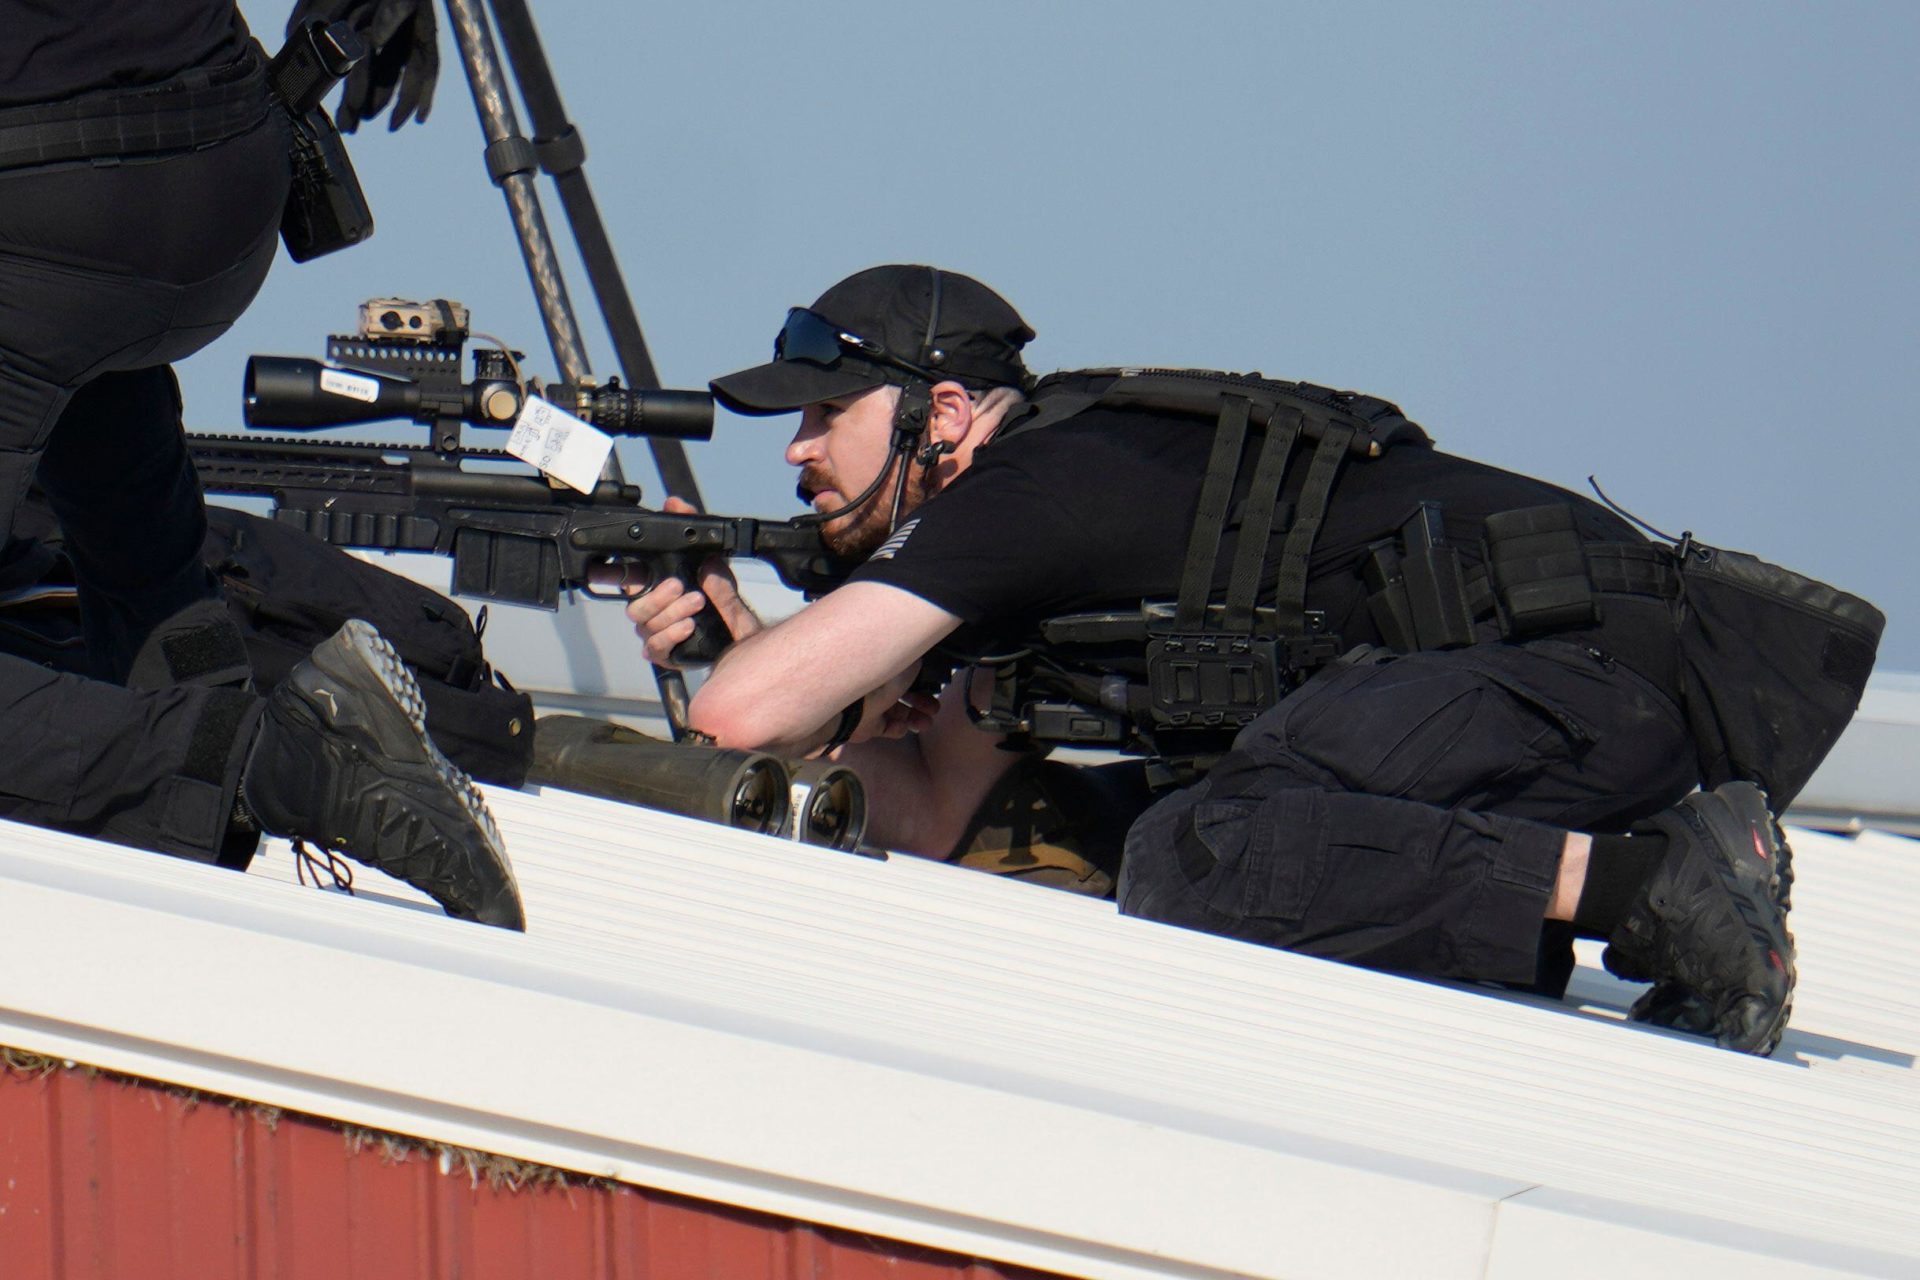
(891, 547)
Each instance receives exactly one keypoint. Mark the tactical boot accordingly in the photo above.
(343, 760)
(1708, 927)
(1668, 1004)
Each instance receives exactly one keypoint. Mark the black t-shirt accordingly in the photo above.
(56, 49)
(1095, 512)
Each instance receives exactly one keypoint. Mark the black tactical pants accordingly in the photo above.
(108, 272)
(1408, 812)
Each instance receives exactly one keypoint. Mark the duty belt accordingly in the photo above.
(1538, 575)
(194, 109)
(1531, 599)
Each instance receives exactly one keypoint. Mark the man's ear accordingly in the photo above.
(951, 417)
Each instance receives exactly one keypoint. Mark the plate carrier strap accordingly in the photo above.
(1212, 665)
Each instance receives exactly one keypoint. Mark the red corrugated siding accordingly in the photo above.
(106, 1179)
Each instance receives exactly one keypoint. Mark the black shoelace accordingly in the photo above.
(331, 865)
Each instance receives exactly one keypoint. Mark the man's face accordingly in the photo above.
(841, 446)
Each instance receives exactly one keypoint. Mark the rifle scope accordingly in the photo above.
(293, 391)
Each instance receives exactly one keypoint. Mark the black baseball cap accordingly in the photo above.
(885, 325)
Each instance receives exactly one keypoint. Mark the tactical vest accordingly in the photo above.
(1177, 678)
(1773, 663)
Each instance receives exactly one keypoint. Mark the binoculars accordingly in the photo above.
(815, 802)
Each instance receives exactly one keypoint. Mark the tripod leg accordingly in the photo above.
(563, 155)
(511, 160)
(511, 163)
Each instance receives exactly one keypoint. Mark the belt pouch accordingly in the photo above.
(1417, 589)
(1537, 566)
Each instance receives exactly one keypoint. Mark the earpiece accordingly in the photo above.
(932, 451)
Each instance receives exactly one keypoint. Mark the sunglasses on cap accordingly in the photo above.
(810, 336)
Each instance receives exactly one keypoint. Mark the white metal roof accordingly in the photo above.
(940, 1056)
(943, 1057)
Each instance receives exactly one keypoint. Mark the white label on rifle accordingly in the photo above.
(561, 445)
(353, 386)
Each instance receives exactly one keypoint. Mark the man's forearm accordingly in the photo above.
(780, 721)
(785, 687)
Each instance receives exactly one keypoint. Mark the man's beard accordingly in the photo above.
(859, 533)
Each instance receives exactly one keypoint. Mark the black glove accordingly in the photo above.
(405, 44)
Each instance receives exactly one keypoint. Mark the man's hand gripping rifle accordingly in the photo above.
(514, 534)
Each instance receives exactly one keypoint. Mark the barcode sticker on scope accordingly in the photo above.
(354, 386)
(562, 446)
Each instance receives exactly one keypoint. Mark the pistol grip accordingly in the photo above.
(711, 635)
(709, 640)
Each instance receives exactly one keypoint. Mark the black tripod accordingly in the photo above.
(557, 149)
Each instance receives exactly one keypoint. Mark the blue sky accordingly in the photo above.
(1673, 246)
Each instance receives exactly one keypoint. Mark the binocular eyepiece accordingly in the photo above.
(293, 391)
(828, 804)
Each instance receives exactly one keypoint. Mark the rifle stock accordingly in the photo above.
(512, 536)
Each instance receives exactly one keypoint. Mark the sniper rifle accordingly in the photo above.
(513, 534)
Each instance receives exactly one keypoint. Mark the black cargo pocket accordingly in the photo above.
(1442, 729)
(1257, 859)
(1213, 840)
(1569, 732)
(1300, 714)
(1381, 868)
